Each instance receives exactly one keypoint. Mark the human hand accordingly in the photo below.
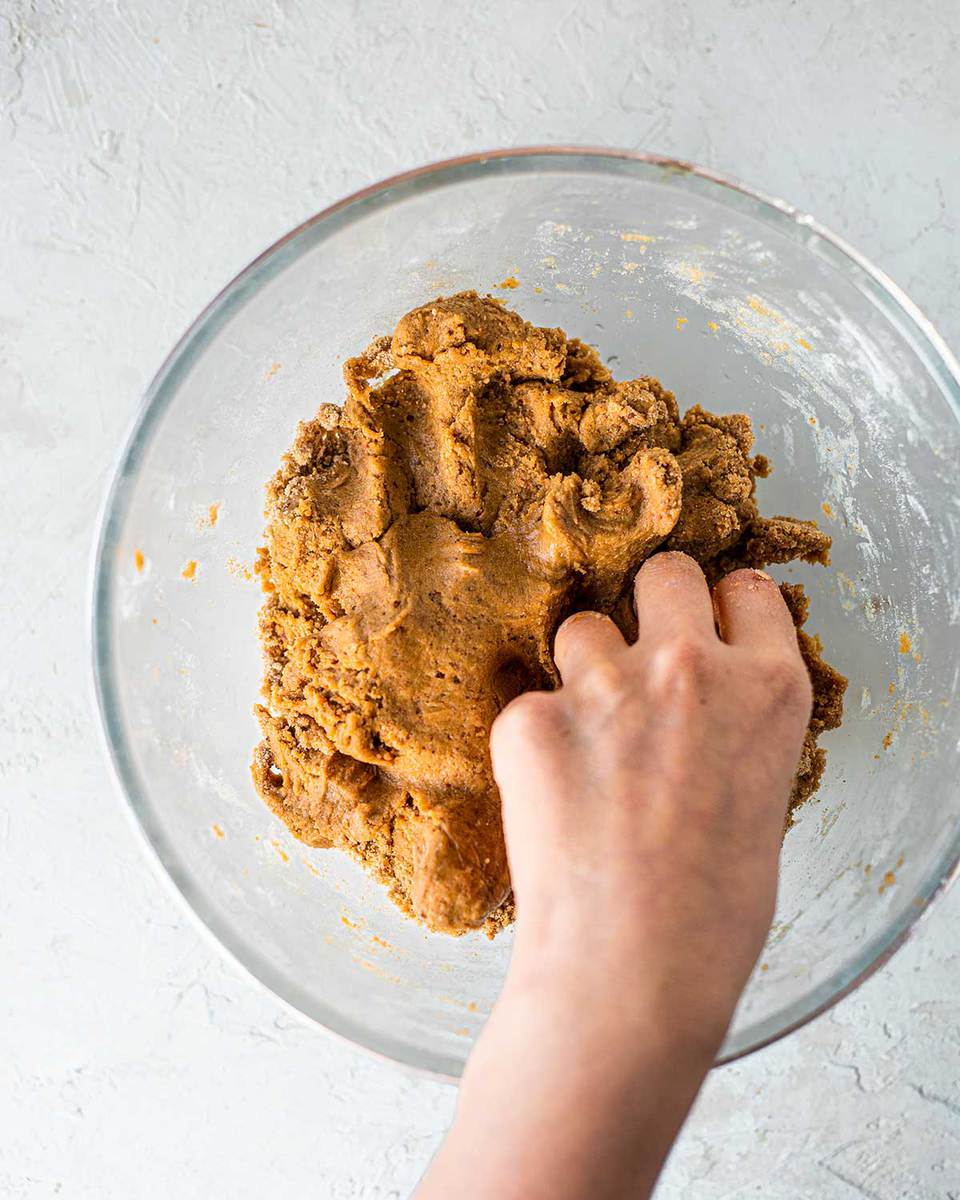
(643, 805)
(644, 801)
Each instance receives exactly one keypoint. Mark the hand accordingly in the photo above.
(644, 801)
(644, 804)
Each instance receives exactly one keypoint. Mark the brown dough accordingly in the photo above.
(484, 479)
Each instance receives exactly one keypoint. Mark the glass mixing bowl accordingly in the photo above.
(736, 302)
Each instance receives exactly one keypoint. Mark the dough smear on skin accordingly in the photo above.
(484, 479)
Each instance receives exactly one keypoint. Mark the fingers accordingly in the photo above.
(751, 612)
(672, 599)
(583, 640)
(673, 603)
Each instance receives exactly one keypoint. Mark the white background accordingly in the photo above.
(148, 150)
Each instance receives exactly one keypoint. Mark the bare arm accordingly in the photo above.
(644, 804)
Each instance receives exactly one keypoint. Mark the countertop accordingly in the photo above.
(147, 153)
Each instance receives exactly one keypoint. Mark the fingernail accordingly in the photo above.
(585, 614)
(763, 575)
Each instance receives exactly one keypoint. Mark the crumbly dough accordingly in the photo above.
(484, 479)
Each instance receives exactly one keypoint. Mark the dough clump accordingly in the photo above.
(484, 479)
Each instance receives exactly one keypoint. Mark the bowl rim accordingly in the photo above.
(931, 347)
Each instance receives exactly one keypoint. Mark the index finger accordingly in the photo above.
(585, 639)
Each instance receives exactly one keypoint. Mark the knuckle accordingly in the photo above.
(682, 662)
(787, 679)
(604, 681)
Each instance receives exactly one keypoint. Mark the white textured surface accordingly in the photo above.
(147, 152)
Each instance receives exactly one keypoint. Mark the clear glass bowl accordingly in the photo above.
(735, 301)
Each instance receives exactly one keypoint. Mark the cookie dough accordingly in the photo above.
(484, 479)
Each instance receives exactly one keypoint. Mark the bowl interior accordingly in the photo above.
(734, 305)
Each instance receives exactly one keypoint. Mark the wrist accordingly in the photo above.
(606, 996)
(595, 1094)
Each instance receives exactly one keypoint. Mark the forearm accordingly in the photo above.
(567, 1099)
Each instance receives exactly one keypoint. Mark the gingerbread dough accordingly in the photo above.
(484, 479)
